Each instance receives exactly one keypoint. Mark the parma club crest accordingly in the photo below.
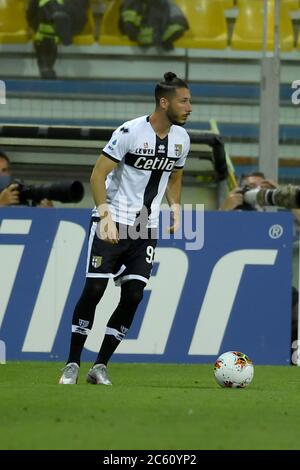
(96, 261)
(178, 150)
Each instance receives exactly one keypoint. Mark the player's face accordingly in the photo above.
(4, 167)
(179, 107)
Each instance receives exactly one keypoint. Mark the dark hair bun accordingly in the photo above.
(169, 76)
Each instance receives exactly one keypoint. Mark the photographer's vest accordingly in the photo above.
(46, 28)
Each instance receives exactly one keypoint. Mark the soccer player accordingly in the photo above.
(143, 159)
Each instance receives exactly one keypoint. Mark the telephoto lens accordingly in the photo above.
(284, 196)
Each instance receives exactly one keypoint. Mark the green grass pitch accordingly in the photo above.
(149, 407)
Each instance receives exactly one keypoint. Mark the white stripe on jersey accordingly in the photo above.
(145, 165)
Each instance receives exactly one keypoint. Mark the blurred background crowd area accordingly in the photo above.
(100, 77)
(213, 24)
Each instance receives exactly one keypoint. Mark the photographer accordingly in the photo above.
(236, 201)
(10, 195)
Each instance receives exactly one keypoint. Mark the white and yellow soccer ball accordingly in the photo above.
(233, 369)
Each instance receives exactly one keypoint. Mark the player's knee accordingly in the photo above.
(95, 288)
(132, 292)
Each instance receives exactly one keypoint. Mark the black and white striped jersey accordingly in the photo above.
(145, 164)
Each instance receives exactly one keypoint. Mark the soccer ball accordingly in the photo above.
(233, 369)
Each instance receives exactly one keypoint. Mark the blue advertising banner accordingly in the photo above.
(224, 286)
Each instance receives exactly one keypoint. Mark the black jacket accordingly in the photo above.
(152, 23)
(76, 9)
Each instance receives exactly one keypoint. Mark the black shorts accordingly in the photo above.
(129, 259)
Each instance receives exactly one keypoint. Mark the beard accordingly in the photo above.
(174, 119)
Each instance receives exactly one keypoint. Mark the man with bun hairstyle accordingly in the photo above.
(143, 160)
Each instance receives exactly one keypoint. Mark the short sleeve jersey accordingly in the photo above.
(145, 163)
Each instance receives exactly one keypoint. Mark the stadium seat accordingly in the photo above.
(228, 3)
(13, 24)
(248, 29)
(208, 28)
(110, 34)
(87, 35)
(291, 4)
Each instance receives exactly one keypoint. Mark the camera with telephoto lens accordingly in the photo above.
(71, 191)
(245, 206)
(287, 196)
(31, 195)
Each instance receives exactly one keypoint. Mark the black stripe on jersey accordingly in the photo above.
(110, 157)
(161, 150)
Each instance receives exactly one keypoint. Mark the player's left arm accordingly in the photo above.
(173, 195)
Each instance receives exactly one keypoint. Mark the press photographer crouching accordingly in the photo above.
(15, 192)
(257, 193)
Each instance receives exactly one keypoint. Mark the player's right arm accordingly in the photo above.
(107, 229)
